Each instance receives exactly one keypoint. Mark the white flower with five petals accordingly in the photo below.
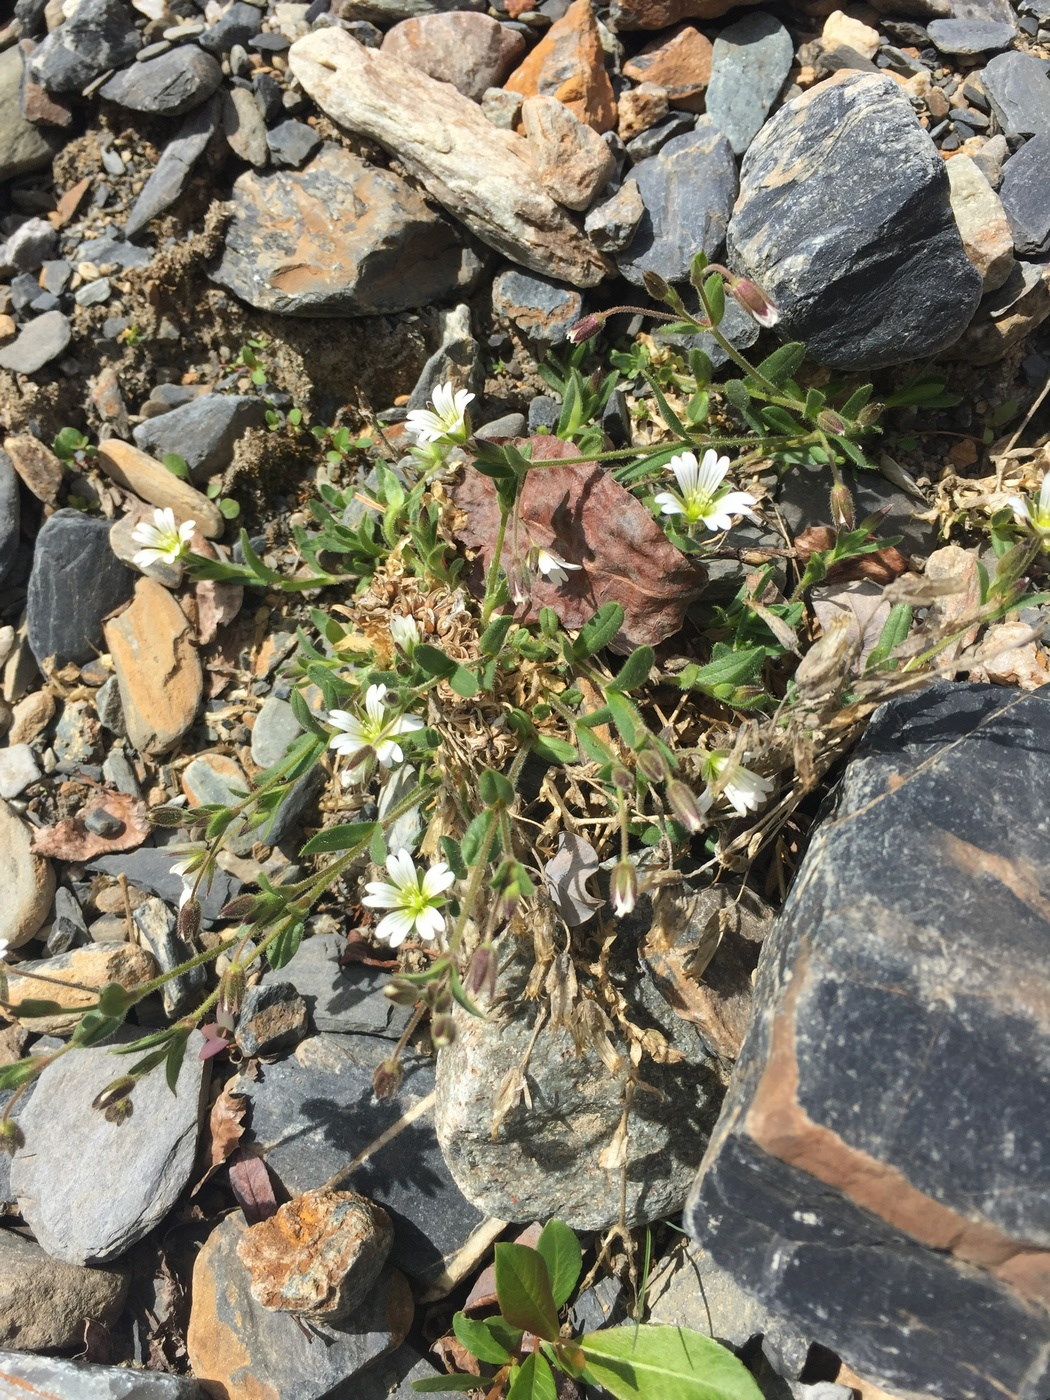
(446, 420)
(701, 496)
(163, 541)
(414, 898)
(743, 789)
(376, 733)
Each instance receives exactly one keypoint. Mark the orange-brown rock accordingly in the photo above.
(146, 478)
(570, 157)
(157, 667)
(568, 63)
(639, 109)
(659, 14)
(679, 62)
(37, 465)
(471, 51)
(72, 976)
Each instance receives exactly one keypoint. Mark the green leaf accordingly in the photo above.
(815, 401)
(285, 946)
(68, 442)
(173, 1059)
(304, 717)
(715, 296)
(599, 631)
(894, 631)
(435, 1384)
(254, 563)
(21, 1072)
(463, 682)
(476, 1335)
(94, 1027)
(495, 788)
(850, 450)
(635, 670)
(114, 1000)
(476, 835)
(736, 392)
(856, 401)
(533, 1380)
(732, 668)
(341, 838)
(177, 465)
(495, 634)
(665, 1363)
(561, 1253)
(783, 362)
(555, 750)
(433, 660)
(523, 1288)
(625, 716)
(593, 747)
(229, 509)
(450, 848)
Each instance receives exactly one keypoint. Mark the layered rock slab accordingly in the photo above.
(879, 1169)
(844, 219)
(479, 173)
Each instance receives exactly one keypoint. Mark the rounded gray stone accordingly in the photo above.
(204, 432)
(166, 86)
(38, 343)
(750, 61)
(276, 730)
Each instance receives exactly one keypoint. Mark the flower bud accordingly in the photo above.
(653, 765)
(238, 908)
(683, 803)
(843, 516)
(190, 920)
(119, 1112)
(586, 329)
(401, 993)
(621, 778)
(754, 301)
(442, 1031)
(830, 422)
(168, 816)
(232, 987)
(11, 1136)
(624, 888)
(387, 1079)
(480, 979)
(655, 285)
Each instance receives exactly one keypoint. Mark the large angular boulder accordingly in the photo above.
(878, 1174)
(844, 218)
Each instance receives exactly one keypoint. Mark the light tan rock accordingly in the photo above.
(157, 667)
(37, 465)
(989, 337)
(840, 28)
(983, 225)
(640, 108)
(92, 967)
(27, 881)
(31, 716)
(148, 479)
(571, 158)
(8, 329)
(568, 63)
(480, 174)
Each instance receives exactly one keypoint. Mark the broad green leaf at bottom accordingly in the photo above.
(665, 1363)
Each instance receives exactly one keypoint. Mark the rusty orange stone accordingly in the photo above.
(679, 62)
(568, 63)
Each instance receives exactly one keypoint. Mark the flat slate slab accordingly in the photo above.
(879, 1171)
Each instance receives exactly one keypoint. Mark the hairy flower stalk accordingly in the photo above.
(701, 497)
(163, 541)
(414, 898)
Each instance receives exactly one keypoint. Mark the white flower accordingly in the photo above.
(551, 566)
(744, 790)
(191, 859)
(413, 898)
(405, 633)
(376, 732)
(1037, 517)
(446, 420)
(5, 948)
(164, 541)
(701, 495)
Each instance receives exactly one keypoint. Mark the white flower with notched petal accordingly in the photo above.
(551, 566)
(701, 497)
(446, 420)
(404, 632)
(164, 542)
(413, 897)
(376, 733)
(1036, 516)
(744, 790)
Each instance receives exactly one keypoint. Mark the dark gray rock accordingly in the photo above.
(100, 35)
(885, 1118)
(610, 225)
(149, 868)
(113, 250)
(456, 358)
(168, 86)
(76, 581)
(648, 142)
(10, 516)
(544, 413)
(137, 1168)
(68, 928)
(737, 326)
(339, 238)
(845, 222)
(48, 1375)
(542, 309)
(749, 63)
(204, 432)
(971, 36)
(272, 1018)
(292, 144)
(1025, 193)
(38, 343)
(156, 926)
(173, 169)
(688, 189)
(240, 23)
(802, 497)
(284, 823)
(1018, 92)
(347, 999)
(313, 1112)
(30, 16)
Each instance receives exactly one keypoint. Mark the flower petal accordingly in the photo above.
(437, 879)
(429, 923)
(395, 928)
(382, 896)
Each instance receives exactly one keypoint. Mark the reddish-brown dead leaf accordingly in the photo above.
(454, 1356)
(250, 1183)
(71, 840)
(483, 1295)
(583, 516)
(883, 566)
(223, 1133)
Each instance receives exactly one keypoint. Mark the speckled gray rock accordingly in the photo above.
(610, 225)
(688, 189)
(272, 1018)
(347, 999)
(276, 729)
(885, 1116)
(292, 144)
(48, 1375)
(339, 238)
(137, 1168)
(844, 219)
(45, 1303)
(970, 36)
(31, 244)
(100, 35)
(749, 63)
(543, 310)
(240, 23)
(38, 343)
(23, 146)
(177, 160)
(204, 432)
(168, 86)
(244, 127)
(314, 1110)
(76, 581)
(156, 928)
(10, 515)
(1018, 92)
(1025, 194)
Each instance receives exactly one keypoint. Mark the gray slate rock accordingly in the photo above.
(1025, 193)
(1018, 92)
(68, 929)
(38, 343)
(204, 432)
(76, 581)
(348, 999)
(971, 36)
(292, 144)
(885, 1120)
(456, 358)
(156, 927)
(48, 1375)
(44, 1303)
(10, 516)
(238, 25)
(737, 326)
(137, 1168)
(271, 1018)
(114, 250)
(541, 309)
(100, 35)
(688, 189)
(276, 730)
(610, 225)
(177, 160)
(243, 126)
(386, 12)
(313, 1112)
(749, 63)
(149, 868)
(168, 86)
(648, 142)
(845, 222)
(23, 146)
(31, 244)
(339, 238)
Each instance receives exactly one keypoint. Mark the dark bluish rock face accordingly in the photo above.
(844, 220)
(76, 581)
(878, 1174)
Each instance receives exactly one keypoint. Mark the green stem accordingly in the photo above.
(492, 577)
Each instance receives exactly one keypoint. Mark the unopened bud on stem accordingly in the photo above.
(843, 516)
(624, 888)
(683, 803)
(754, 301)
(586, 329)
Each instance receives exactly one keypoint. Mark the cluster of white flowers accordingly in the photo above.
(163, 541)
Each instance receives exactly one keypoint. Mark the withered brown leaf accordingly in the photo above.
(881, 566)
(583, 516)
(250, 1183)
(223, 1133)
